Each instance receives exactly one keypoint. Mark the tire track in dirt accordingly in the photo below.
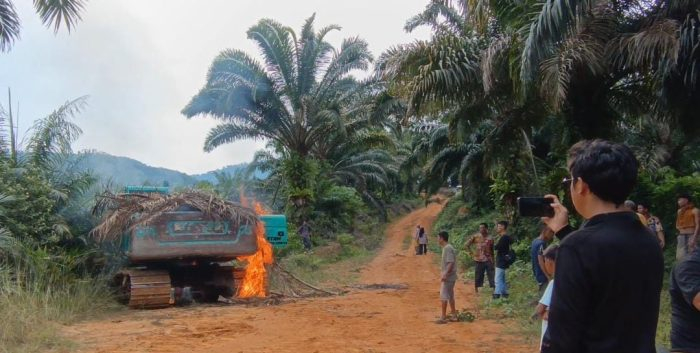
(361, 321)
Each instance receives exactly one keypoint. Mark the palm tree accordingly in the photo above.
(54, 13)
(48, 166)
(297, 97)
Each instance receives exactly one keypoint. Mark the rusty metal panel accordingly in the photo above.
(189, 235)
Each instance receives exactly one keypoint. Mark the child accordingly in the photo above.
(542, 310)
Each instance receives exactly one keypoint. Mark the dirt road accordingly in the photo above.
(361, 321)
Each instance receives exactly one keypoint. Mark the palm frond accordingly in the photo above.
(59, 12)
(9, 25)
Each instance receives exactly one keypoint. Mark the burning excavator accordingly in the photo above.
(188, 246)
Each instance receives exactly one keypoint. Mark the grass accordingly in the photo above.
(41, 290)
(33, 313)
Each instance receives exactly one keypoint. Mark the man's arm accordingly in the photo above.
(570, 304)
(694, 238)
(448, 269)
(540, 261)
(469, 242)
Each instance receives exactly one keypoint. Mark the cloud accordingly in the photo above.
(141, 61)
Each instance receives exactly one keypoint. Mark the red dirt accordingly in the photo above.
(361, 321)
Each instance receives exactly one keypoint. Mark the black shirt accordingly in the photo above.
(502, 248)
(685, 319)
(607, 288)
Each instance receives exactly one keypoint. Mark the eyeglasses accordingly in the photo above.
(566, 183)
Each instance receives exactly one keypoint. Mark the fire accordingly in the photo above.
(254, 283)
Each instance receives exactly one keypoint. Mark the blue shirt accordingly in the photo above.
(536, 249)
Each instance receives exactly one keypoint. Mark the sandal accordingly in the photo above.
(440, 321)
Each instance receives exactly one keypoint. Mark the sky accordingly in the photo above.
(141, 61)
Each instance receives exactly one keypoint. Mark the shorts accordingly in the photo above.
(447, 290)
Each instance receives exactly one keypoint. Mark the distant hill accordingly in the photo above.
(210, 176)
(127, 171)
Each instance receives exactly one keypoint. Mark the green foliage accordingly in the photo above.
(30, 213)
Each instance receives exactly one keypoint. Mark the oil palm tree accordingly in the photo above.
(54, 13)
(295, 98)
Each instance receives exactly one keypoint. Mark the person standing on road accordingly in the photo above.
(502, 259)
(423, 242)
(688, 225)
(609, 273)
(305, 233)
(685, 305)
(653, 223)
(448, 277)
(537, 258)
(416, 237)
(482, 255)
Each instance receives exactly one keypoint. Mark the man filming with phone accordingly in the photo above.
(610, 271)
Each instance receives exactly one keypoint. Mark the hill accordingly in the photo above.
(128, 171)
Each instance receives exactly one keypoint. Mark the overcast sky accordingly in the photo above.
(141, 61)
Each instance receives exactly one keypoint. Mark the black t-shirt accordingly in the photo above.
(502, 247)
(607, 288)
(685, 319)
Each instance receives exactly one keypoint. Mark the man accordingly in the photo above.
(448, 277)
(653, 223)
(305, 233)
(685, 305)
(482, 255)
(537, 259)
(688, 225)
(502, 261)
(609, 272)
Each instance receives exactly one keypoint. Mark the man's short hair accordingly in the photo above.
(610, 169)
(630, 204)
(503, 223)
(685, 195)
(484, 224)
(551, 252)
(443, 235)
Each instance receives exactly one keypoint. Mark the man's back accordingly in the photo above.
(609, 276)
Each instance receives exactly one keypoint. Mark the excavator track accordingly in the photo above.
(145, 289)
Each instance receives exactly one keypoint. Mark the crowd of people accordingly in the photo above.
(608, 273)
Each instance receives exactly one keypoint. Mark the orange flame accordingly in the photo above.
(254, 284)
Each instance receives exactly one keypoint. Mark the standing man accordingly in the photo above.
(537, 257)
(305, 233)
(422, 242)
(416, 237)
(653, 223)
(685, 305)
(502, 259)
(448, 277)
(609, 272)
(482, 255)
(688, 225)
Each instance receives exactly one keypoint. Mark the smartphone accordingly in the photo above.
(535, 207)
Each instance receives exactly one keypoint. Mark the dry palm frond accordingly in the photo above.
(123, 212)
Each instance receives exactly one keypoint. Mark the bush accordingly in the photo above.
(39, 290)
